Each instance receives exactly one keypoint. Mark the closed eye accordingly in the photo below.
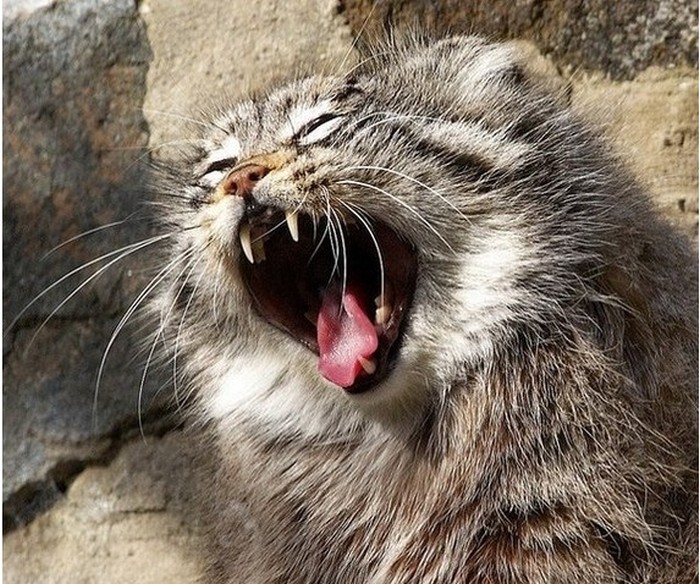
(319, 128)
(219, 165)
(215, 171)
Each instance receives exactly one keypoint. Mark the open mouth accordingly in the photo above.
(341, 289)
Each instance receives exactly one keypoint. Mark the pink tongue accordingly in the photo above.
(344, 335)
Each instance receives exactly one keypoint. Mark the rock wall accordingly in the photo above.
(98, 485)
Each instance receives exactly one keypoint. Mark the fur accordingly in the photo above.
(539, 423)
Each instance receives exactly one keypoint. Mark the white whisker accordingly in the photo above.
(157, 279)
(130, 250)
(333, 239)
(343, 250)
(340, 66)
(402, 203)
(181, 325)
(159, 333)
(414, 181)
(176, 116)
(357, 213)
(87, 233)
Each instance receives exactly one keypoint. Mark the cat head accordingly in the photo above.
(356, 242)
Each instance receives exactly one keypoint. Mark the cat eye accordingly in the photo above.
(219, 165)
(215, 171)
(319, 128)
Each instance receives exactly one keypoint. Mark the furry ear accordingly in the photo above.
(541, 72)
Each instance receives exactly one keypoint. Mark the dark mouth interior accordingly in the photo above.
(291, 282)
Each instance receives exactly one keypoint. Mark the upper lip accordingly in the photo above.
(288, 258)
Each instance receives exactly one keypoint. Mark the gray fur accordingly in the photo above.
(539, 425)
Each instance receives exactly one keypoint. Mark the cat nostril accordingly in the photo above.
(241, 181)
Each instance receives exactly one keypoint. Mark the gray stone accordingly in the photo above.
(132, 521)
(619, 38)
(73, 78)
(55, 422)
(74, 81)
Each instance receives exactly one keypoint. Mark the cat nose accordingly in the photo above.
(241, 181)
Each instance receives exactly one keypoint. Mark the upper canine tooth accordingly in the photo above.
(293, 224)
(244, 236)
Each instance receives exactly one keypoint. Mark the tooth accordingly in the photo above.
(258, 250)
(386, 297)
(369, 365)
(293, 224)
(382, 314)
(244, 235)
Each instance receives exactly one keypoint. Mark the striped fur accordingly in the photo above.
(539, 423)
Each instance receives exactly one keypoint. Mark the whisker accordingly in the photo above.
(343, 250)
(121, 253)
(158, 335)
(357, 213)
(176, 349)
(155, 281)
(355, 40)
(333, 239)
(176, 116)
(404, 204)
(87, 233)
(414, 181)
(320, 241)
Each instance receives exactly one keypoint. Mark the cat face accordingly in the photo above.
(359, 238)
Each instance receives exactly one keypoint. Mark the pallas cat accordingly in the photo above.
(433, 330)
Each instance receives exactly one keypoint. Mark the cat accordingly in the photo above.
(432, 330)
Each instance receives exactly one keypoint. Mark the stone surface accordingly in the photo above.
(74, 80)
(86, 499)
(653, 122)
(132, 521)
(619, 38)
(55, 422)
(207, 53)
(73, 131)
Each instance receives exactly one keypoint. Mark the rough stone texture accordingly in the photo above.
(208, 52)
(72, 127)
(74, 81)
(85, 499)
(619, 38)
(127, 522)
(653, 122)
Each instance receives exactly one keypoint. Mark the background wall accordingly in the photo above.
(99, 487)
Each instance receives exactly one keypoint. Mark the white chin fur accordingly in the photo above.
(285, 393)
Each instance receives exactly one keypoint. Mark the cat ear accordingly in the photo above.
(540, 71)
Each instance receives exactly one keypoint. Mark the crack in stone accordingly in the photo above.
(37, 497)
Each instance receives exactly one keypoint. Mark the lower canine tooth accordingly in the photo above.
(244, 236)
(382, 314)
(386, 296)
(293, 224)
(368, 365)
